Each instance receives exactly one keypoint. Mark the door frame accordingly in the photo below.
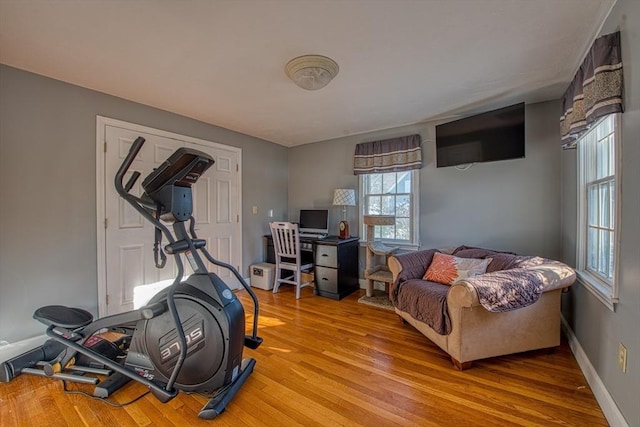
(101, 181)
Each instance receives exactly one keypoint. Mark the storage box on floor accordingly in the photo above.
(262, 275)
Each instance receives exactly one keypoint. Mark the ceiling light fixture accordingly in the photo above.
(311, 72)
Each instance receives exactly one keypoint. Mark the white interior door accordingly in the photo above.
(130, 275)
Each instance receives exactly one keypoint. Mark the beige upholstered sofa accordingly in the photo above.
(474, 331)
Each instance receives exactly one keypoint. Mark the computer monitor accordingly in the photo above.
(314, 221)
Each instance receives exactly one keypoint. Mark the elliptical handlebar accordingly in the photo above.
(123, 190)
(145, 209)
(252, 341)
(124, 168)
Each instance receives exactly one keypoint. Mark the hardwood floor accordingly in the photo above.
(339, 363)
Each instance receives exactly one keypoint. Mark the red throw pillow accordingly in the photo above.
(448, 269)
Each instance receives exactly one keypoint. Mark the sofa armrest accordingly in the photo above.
(410, 265)
(515, 288)
(551, 274)
(407, 266)
(555, 274)
(462, 294)
(394, 266)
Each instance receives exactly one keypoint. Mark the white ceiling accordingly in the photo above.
(222, 62)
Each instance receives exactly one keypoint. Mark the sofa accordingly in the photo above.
(502, 304)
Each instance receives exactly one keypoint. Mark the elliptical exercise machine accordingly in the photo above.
(189, 337)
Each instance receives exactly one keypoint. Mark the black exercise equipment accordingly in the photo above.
(189, 337)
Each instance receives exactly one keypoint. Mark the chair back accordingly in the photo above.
(286, 239)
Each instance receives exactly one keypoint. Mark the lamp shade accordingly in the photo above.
(344, 197)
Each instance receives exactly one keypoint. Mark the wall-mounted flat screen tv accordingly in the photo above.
(487, 137)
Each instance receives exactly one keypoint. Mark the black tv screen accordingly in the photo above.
(487, 137)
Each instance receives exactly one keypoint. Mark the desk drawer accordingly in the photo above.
(327, 256)
(326, 279)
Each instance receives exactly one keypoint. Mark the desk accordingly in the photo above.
(335, 264)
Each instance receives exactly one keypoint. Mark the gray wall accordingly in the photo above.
(48, 197)
(598, 329)
(512, 204)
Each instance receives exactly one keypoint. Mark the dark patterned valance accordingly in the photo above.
(388, 155)
(596, 89)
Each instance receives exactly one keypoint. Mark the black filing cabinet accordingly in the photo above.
(336, 267)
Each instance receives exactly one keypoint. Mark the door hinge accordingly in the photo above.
(105, 147)
(107, 299)
(106, 223)
(237, 217)
(237, 167)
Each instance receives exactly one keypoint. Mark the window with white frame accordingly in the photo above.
(598, 183)
(392, 193)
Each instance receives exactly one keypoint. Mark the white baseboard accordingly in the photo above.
(602, 395)
(12, 350)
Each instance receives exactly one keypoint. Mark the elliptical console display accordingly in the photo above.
(189, 337)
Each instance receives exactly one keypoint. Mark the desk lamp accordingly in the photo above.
(344, 197)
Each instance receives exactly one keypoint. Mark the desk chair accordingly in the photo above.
(286, 245)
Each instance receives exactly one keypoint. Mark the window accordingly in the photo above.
(598, 183)
(393, 193)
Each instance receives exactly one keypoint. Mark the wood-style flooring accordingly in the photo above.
(339, 363)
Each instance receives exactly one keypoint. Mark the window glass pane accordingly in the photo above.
(388, 183)
(603, 253)
(612, 166)
(374, 205)
(590, 159)
(403, 206)
(611, 254)
(404, 182)
(612, 203)
(374, 183)
(604, 127)
(604, 204)
(592, 205)
(388, 205)
(605, 158)
(592, 248)
(387, 231)
(602, 162)
(403, 228)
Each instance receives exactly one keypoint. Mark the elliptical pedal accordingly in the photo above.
(218, 403)
(110, 385)
(60, 376)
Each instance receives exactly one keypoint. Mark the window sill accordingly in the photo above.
(401, 246)
(602, 293)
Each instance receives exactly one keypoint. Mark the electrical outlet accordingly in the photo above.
(255, 210)
(622, 357)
